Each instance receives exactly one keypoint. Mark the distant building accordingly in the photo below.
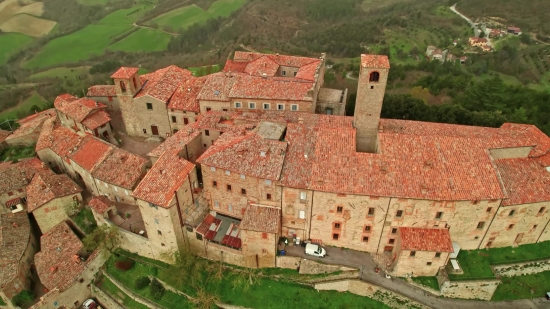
(475, 41)
(29, 130)
(463, 59)
(514, 30)
(495, 33)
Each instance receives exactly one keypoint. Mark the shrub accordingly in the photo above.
(124, 264)
(22, 298)
(157, 289)
(142, 283)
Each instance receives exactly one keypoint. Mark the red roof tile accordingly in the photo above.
(163, 179)
(102, 91)
(290, 61)
(15, 232)
(247, 154)
(162, 83)
(235, 66)
(19, 175)
(96, 120)
(45, 187)
(185, 96)
(63, 100)
(526, 180)
(262, 219)
(43, 138)
(217, 87)
(32, 126)
(91, 152)
(176, 141)
(100, 204)
(79, 109)
(262, 65)
(307, 72)
(375, 61)
(121, 168)
(61, 141)
(125, 72)
(206, 223)
(424, 239)
(275, 88)
(47, 114)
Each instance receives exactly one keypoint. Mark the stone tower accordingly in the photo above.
(127, 84)
(373, 75)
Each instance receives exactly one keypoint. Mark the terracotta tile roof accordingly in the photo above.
(43, 139)
(275, 88)
(57, 263)
(261, 219)
(248, 154)
(262, 65)
(91, 152)
(216, 120)
(176, 141)
(300, 156)
(121, 168)
(47, 114)
(424, 239)
(526, 180)
(125, 72)
(19, 175)
(290, 61)
(307, 72)
(31, 126)
(235, 66)
(102, 91)
(96, 120)
(100, 204)
(185, 96)
(217, 87)
(63, 100)
(45, 187)
(375, 61)
(165, 177)
(61, 141)
(15, 234)
(162, 83)
(79, 109)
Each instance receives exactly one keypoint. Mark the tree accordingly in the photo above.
(103, 237)
(330, 78)
(525, 38)
(420, 93)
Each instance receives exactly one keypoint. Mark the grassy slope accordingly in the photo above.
(61, 72)
(430, 282)
(34, 99)
(110, 288)
(11, 42)
(14, 153)
(520, 287)
(92, 2)
(184, 17)
(145, 40)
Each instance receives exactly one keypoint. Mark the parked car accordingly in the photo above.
(89, 304)
(547, 295)
(315, 250)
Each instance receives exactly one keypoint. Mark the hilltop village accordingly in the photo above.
(260, 151)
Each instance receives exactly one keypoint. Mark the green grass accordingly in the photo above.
(520, 287)
(186, 16)
(92, 2)
(204, 70)
(61, 72)
(142, 71)
(112, 290)
(430, 282)
(85, 220)
(24, 108)
(507, 79)
(127, 16)
(2, 303)
(15, 153)
(476, 263)
(145, 40)
(77, 46)
(10, 43)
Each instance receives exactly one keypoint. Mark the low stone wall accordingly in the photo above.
(519, 269)
(425, 288)
(375, 292)
(471, 289)
(131, 294)
(309, 267)
(104, 299)
(290, 262)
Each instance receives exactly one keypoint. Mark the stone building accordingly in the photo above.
(52, 199)
(105, 94)
(475, 41)
(29, 129)
(17, 248)
(14, 178)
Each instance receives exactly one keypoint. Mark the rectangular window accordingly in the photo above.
(335, 236)
(243, 191)
(480, 224)
(228, 187)
(174, 120)
(208, 109)
(207, 132)
(158, 231)
(534, 227)
(413, 253)
(268, 182)
(20, 190)
(238, 105)
(303, 196)
(439, 215)
(541, 210)
(392, 241)
(267, 106)
(512, 212)
(394, 230)
(339, 209)
(264, 235)
(280, 107)
(110, 99)
(149, 106)
(230, 207)
(185, 120)
(367, 228)
(268, 196)
(10, 193)
(214, 184)
(199, 236)
(216, 204)
(294, 107)
(284, 73)
(189, 229)
(399, 214)
(438, 254)
(156, 221)
(227, 172)
(371, 211)
(365, 238)
(295, 73)
(511, 226)
(251, 105)
(489, 209)
(429, 263)
(337, 226)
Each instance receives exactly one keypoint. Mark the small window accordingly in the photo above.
(174, 120)
(268, 196)
(534, 227)
(243, 176)
(295, 73)
(228, 187)
(438, 254)
(20, 190)
(230, 207)
(303, 196)
(238, 105)
(371, 211)
(365, 238)
(252, 105)
(371, 87)
(413, 253)
(475, 202)
(392, 241)
(204, 145)
(158, 231)
(439, 215)
(511, 226)
(394, 230)
(512, 212)
(213, 168)
(294, 107)
(429, 263)
(374, 77)
(199, 236)
(216, 204)
(10, 193)
(207, 132)
(399, 214)
(489, 209)
(243, 191)
(214, 184)
(337, 226)
(280, 107)
(227, 172)
(268, 182)
(480, 224)
(208, 109)
(284, 73)
(541, 210)
(149, 106)
(156, 221)
(264, 235)
(335, 236)
(189, 229)
(267, 106)
(339, 209)
(367, 228)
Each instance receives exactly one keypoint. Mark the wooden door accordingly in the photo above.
(155, 130)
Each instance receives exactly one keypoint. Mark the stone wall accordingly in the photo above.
(472, 289)
(260, 245)
(55, 211)
(303, 106)
(180, 119)
(214, 105)
(105, 300)
(520, 269)
(290, 262)
(158, 116)
(216, 252)
(293, 207)
(424, 263)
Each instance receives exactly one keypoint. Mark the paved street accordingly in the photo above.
(364, 261)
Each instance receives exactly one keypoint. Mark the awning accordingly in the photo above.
(13, 202)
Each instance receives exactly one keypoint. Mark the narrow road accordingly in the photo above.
(363, 261)
(350, 76)
(453, 8)
(140, 26)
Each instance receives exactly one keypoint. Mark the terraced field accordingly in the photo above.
(10, 43)
(22, 17)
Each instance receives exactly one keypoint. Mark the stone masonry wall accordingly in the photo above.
(261, 246)
(520, 269)
(293, 206)
(55, 211)
(303, 106)
(146, 118)
(418, 265)
(478, 289)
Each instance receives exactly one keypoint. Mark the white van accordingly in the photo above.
(315, 250)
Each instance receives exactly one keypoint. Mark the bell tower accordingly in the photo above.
(127, 85)
(373, 75)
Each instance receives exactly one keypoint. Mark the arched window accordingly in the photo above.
(374, 77)
(122, 87)
(135, 83)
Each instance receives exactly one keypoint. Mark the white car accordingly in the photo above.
(315, 250)
(89, 304)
